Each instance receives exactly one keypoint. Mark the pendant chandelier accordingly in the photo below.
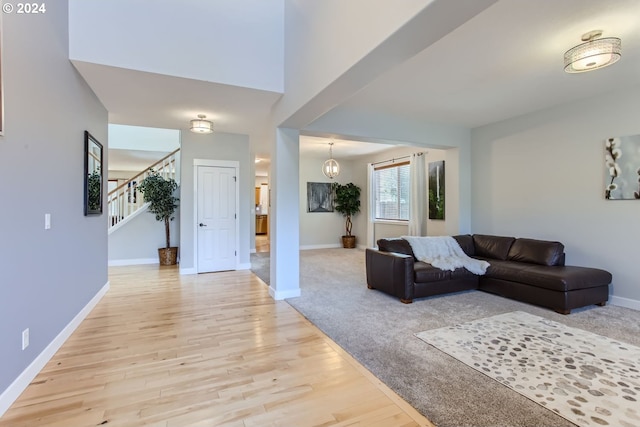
(331, 168)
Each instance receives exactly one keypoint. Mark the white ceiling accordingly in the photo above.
(139, 98)
(312, 146)
(506, 61)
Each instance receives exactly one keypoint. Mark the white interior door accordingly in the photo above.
(216, 218)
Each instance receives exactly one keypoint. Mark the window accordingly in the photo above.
(391, 192)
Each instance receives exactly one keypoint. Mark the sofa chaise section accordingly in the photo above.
(526, 270)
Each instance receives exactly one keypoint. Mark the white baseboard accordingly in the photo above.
(625, 302)
(280, 295)
(24, 379)
(136, 261)
(331, 246)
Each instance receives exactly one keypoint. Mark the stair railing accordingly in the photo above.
(124, 200)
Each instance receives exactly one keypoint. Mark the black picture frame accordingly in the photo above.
(93, 175)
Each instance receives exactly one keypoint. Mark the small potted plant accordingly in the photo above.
(158, 191)
(346, 200)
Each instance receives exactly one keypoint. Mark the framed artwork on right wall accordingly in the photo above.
(622, 168)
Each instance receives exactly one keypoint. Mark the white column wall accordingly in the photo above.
(284, 217)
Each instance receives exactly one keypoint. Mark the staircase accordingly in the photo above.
(125, 202)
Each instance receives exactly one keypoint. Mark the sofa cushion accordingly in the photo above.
(462, 273)
(397, 245)
(534, 251)
(466, 243)
(427, 273)
(555, 278)
(505, 270)
(492, 247)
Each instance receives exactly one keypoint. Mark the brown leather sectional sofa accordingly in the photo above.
(526, 270)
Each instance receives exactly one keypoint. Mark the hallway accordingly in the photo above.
(166, 349)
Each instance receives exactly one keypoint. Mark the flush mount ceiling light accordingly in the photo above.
(331, 168)
(593, 54)
(200, 125)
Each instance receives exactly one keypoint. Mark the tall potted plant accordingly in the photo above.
(346, 200)
(158, 191)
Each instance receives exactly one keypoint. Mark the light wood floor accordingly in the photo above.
(262, 243)
(162, 349)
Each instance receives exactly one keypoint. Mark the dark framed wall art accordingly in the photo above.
(319, 197)
(93, 175)
(436, 190)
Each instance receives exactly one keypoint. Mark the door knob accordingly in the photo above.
(202, 225)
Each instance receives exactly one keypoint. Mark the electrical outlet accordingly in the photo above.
(25, 338)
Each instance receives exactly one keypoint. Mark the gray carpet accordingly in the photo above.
(378, 331)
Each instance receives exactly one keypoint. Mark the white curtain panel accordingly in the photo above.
(418, 199)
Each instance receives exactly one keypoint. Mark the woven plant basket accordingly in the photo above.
(349, 242)
(168, 256)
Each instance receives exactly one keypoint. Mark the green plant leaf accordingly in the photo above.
(346, 200)
(158, 191)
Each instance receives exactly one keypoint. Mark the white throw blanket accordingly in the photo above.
(445, 253)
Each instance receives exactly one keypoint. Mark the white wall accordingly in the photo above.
(316, 53)
(542, 176)
(122, 175)
(323, 229)
(137, 241)
(215, 146)
(428, 136)
(322, 70)
(143, 138)
(48, 276)
(284, 218)
(259, 180)
(215, 40)
(434, 228)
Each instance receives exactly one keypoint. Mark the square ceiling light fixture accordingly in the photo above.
(595, 53)
(200, 125)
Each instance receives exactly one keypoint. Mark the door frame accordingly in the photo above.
(220, 164)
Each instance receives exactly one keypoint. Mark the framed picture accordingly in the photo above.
(622, 168)
(1, 84)
(92, 175)
(319, 197)
(436, 190)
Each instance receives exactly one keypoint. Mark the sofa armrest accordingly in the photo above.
(390, 272)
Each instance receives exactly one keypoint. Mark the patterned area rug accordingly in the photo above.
(586, 378)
